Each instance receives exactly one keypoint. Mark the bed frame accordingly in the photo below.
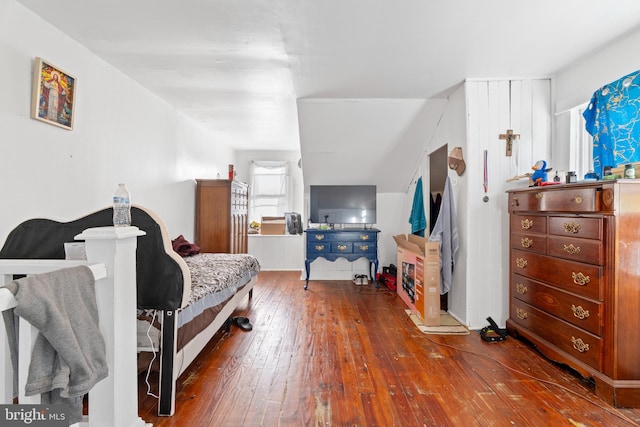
(162, 276)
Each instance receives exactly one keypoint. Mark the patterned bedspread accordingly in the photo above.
(211, 273)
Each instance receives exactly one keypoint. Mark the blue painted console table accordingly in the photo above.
(351, 244)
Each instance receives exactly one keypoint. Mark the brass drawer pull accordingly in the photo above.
(579, 345)
(515, 202)
(521, 262)
(319, 236)
(521, 288)
(572, 250)
(364, 237)
(364, 248)
(580, 279)
(521, 313)
(319, 247)
(342, 247)
(526, 223)
(578, 200)
(579, 312)
(526, 242)
(571, 227)
(539, 196)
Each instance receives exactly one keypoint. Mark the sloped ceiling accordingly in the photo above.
(365, 141)
(310, 75)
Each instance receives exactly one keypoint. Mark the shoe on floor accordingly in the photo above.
(243, 323)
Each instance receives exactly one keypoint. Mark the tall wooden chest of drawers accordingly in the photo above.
(574, 287)
(221, 215)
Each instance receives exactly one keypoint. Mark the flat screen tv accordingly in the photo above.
(342, 204)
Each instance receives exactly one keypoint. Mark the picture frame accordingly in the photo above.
(53, 97)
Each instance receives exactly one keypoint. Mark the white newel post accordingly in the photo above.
(114, 400)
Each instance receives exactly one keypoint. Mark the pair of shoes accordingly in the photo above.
(243, 323)
(361, 279)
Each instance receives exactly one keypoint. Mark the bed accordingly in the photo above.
(185, 300)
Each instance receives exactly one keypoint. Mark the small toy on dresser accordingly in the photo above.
(539, 175)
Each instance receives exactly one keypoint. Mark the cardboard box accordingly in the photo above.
(419, 276)
(272, 225)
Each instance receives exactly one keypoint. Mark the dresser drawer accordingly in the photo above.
(583, 250)
(343, 236)
(574, 341)
(314, 248)
(318, 237)
(588, 228)
(529, 223)
(361, 236)
(529, 242)
(569, 199)
(341, 247)
(352, 247)
(364, 248)
(579, 278)
(584, 313)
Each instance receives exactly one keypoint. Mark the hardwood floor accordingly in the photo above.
(346, 355)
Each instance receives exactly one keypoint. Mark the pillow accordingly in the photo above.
(183, 247)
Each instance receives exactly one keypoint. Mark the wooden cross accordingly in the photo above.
(509, 137)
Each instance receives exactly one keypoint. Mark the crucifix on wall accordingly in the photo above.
(509, 137)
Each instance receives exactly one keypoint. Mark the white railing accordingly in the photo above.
(111, 256)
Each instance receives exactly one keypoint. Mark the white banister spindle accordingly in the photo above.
(6, 302)
(114, 400)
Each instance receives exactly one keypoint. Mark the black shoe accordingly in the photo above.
(243, 323)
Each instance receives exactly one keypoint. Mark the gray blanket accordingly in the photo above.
(69, 355)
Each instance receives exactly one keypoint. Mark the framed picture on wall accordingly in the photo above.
(53, 95)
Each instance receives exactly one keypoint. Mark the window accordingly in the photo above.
(269, 189)
(581, 143)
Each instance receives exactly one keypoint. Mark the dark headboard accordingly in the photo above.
(160, 278)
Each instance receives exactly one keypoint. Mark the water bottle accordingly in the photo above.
(121, 207)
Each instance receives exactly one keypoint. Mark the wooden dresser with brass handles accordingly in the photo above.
(574, 280)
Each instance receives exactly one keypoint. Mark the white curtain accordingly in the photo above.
(581, 144)
(269, 189)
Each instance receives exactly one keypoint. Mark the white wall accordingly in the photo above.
(450, 132)
(122, 133)
(492, 108)
(576, 84)
(474, 117)
(278, 252)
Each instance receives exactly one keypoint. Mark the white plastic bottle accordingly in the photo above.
(121, 207)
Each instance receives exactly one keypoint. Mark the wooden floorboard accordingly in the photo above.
(345, 355)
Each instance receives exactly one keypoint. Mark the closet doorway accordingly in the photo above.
(438, 169)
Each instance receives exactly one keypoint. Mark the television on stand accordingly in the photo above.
(342, 204)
